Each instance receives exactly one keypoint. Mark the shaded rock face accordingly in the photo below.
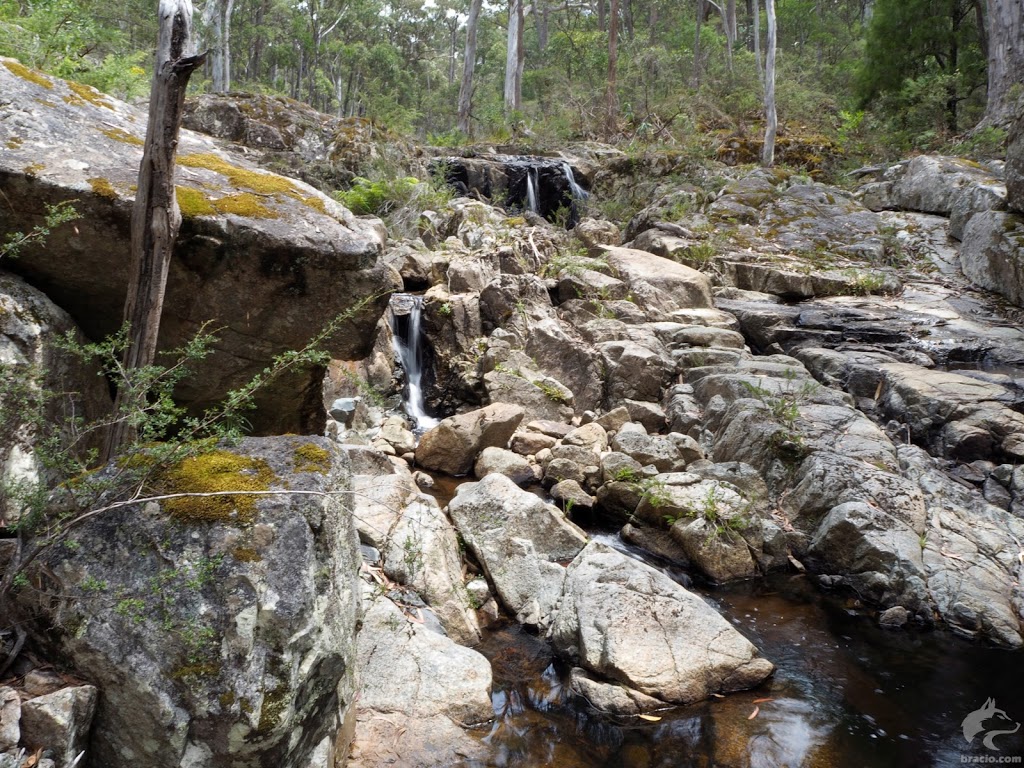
(504, 179)
(1015, 166)
(218, 642)
(29, 324)
(266, 259)
(992, 254)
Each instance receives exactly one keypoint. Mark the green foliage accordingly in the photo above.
(399, 201)
(60, 213)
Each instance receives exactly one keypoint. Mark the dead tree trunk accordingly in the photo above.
(155, 216)
(770, 117)
(612, 93)
(468, 65)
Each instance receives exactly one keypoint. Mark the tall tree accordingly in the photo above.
(514, 57)
(701, 11)
(217, 21)
(611, 91)
(155, 214)
(771, 118)
(468, 65)
(1005, 46)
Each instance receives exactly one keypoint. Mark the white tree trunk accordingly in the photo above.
(513, 53)
(1005, 60)
(468, 65)
(757, 41)
(217, 21)
(770, 117)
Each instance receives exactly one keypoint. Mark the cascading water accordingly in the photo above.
(407, 339)
(578, 192)
(531, 190)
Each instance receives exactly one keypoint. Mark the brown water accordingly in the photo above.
(845, 693)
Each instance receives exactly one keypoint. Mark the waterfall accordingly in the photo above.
(409, 349)
(578, 192)
(531, 190)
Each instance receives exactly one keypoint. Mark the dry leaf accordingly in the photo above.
(762, 701)
(651, 718)
(753, 714)
(718, 695)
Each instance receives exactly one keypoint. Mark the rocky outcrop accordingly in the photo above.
(633, 625)
(266, 259)
(454, 444)
(33, 365)
(992, 254)
(218, 632)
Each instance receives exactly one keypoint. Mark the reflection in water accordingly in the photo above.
(845, 693)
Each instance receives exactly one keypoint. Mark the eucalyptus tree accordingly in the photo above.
(1005, 52)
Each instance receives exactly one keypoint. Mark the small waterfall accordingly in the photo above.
(408, 338)
(531, 190)
(578, 192)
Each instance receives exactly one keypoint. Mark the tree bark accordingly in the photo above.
(513, 56)
(468, 65)
(695, 79)
(729, 38)
(757, 41)
(770, 117)
(155, 214)
(611, 92)
(1005, 61)
(217, 19)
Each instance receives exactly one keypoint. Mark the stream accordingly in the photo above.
(845, 693)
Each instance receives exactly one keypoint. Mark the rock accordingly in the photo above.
(453, 445)
(627, 622)
(894, 618)
(613, 420)
(932, 183)
(992, 253)
(661, 285)
(619, 500)
(555, 429)
(416, 686)
(597, 232)
(60, 722)
(343, 410)
(250, 639)
(591, 436)
(517, 539)
(975, 198)
(542, 398)
(395, 432)
(619, 466)
(660, 450)
(296, 257)
(10, 718)
(29, 325)
(507, 463)
(634, 371)
(571, 495)
(1015, 167)
(530, 443)
(609, 698)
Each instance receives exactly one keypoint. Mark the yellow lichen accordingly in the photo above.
(310, 457)
(103, 188)
(193, 202)
(246, 555)
(118, 135)
(244, 204)
(265, 183)
(14, 142)
(45, 102)
(33, 169)
(220, 472)
(316, 204)
(86, 93)
(31, 75)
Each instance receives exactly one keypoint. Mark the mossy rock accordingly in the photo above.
(217, 472)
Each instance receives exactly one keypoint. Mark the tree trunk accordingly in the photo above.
(513, 55)
(729, 39)
(155, 214)
(611, 92)
(757, 41)
(468, 65)
(601, 20)
(770, 117)
(1005, 61)
(695, 79)
(542, 26)
(217, 20)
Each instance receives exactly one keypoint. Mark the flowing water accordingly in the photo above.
(531, 190)
(578, 192)
(408, 344)
(845, 693)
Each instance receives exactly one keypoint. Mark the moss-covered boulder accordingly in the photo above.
(269, 260)
(220, 630)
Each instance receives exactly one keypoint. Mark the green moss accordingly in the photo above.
(244, 204)
(274, 704)
(45, 102)
(193, 202)
(264, 183)
(33, 169)
(103, 188)
(216, 472)
(310, 457)
(118, 135)
(86, 93)
(31, 75)
(195, 670)
(226, 699)
(316, 204)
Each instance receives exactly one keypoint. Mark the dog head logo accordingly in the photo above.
(990, 721)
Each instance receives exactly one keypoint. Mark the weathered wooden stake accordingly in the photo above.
(155, 216)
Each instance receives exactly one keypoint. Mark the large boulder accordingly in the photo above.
(519, 541)
(992, 253)
(33, 365)
(417, 686)
(219, 630)
(266, 259)
(931, 183)
(454, 444)
(633, 625)
(1015, 166)
(661, 285)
